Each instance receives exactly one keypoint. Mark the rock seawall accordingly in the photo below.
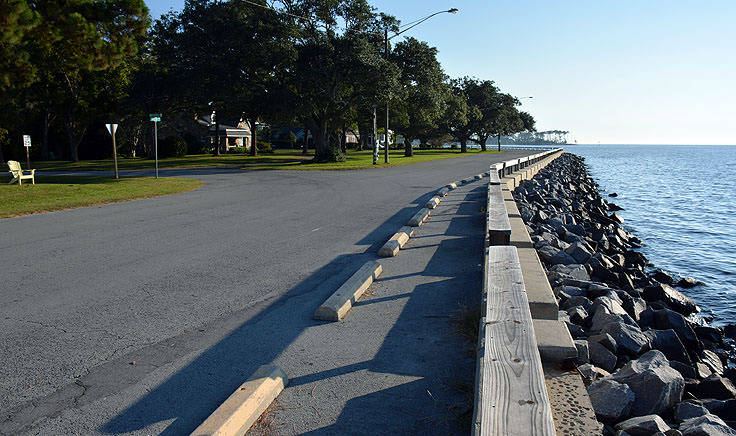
(650, 367)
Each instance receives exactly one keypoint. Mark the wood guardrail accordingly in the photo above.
(511, 396)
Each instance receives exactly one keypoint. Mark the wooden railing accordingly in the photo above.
(511, 396)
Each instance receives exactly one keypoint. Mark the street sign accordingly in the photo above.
(111, 128)
(26, 140)
(155, 117)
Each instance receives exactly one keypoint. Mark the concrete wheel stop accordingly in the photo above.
(339, 304)
(238, 413)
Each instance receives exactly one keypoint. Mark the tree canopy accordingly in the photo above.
(67, 64)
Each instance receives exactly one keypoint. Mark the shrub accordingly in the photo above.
(264, 147)
(194, 144)
(237, 150)
(172, 146)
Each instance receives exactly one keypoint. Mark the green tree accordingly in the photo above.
(482, 94)
(507, 119)
(86, 48)
(528, 122)
(336, 71)
(17, 23)
(423, 90)
(461, 116)
(227, 56)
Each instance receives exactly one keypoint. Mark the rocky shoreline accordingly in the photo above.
(651, 368)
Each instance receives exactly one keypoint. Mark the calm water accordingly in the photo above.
(680, 200)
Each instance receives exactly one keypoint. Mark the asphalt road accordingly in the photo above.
(139, 317)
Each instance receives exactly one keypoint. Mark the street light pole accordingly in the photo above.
(385, 144)
(386, 39)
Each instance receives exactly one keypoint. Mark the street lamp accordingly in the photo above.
(386, 39)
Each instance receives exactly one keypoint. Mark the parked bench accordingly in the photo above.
(511, 396)
(18, 175)
(498, 225)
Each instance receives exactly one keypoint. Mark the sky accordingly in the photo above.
(623, 72)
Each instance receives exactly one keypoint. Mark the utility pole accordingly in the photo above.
(112, 128)
(385, 150)
(375, 138)
(155, 118)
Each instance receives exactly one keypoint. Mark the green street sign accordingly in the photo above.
(155, 117)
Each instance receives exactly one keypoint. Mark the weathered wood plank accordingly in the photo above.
(498, 224)
(513, 394)
(495, 179)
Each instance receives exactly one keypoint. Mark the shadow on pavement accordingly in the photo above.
(192, 393)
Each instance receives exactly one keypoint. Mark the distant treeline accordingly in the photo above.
(549, 137)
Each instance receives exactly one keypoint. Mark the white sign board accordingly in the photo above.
(27, 141)
(110, 127)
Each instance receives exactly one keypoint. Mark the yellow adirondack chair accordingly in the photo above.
(17, 173)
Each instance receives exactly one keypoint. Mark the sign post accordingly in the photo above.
(112, 128)
(156, 118)
(27, 145)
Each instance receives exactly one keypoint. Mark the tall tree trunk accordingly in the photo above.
(408, 150)
(326, 148)
(253, 136)
(47, 120)
(2, 156)
(482, 141)
(499, 142)
(464, 145)
(74, 141)
(343, 141)
(74, 138)
(305, 147)
(361, 138)
(217, 135)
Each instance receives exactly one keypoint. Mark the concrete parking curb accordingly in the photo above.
(433, 203)
(419, 218)
(452, 185)
(339, 304)
(443, 192)
(392, 246)
(236, 415)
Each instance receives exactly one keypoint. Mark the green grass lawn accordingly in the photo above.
(356, 160)
(280, 159)
(66, 192)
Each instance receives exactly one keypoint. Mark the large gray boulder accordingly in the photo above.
(579, 251)
(668, 343)
(602, 356)
(716, 387)
(546, 252)
(674, 298)
(629, 338)
(611, 400)
(574, 271)
(583, 352)
(577, 300)
(591, 373)
(669, 319)
(657, 386)
(643, 425)
(707, 425)
(561, 258)
(688, 410)
(712, 360)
